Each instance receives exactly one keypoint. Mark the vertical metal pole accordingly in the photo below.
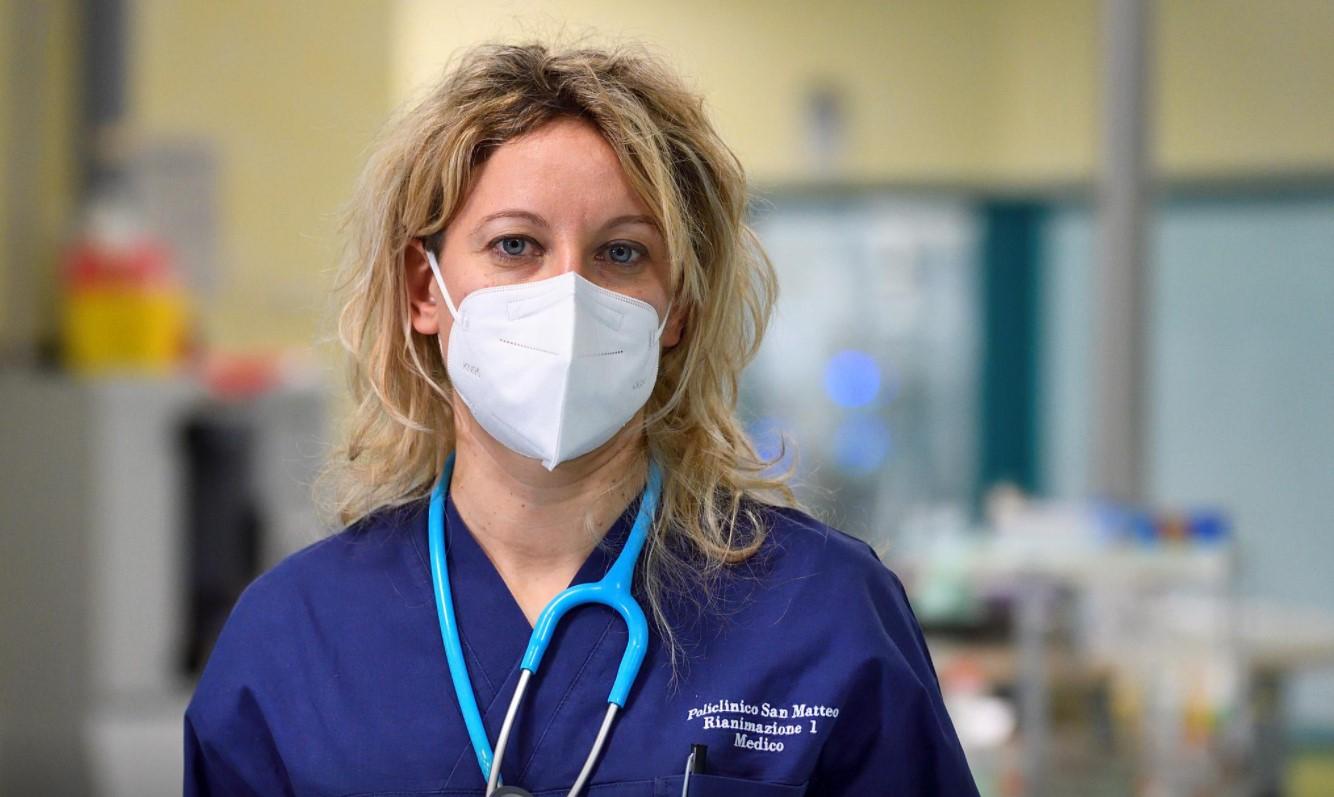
(103, 84)
(1119, 280)
(1031, 610)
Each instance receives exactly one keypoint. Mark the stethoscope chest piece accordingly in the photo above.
(511, 791)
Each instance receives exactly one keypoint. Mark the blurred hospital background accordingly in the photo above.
(1056, 336)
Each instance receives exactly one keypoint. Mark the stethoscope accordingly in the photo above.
(612, 591)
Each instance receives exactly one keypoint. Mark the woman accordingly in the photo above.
(552, 293)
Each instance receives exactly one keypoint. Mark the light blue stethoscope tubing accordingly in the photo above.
(612, 590)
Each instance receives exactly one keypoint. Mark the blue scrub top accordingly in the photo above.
(808, 675)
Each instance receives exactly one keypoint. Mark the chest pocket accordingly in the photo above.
(720, 786)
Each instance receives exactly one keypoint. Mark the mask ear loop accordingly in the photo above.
(440, 280)
(665, 317)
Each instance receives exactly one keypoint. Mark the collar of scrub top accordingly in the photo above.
(612, 591)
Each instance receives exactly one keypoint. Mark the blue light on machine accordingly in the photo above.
(852, 379)
(862, 443)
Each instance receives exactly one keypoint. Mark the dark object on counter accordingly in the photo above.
(222, 526)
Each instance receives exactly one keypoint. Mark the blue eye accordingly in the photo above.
(512, 247)
(623, 254)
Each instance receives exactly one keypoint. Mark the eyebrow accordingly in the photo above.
(619, 220)
(515, 214)
(537, 220)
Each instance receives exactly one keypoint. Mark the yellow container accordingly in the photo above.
(122, 308)
(124, 328)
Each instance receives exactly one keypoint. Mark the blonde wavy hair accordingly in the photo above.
(402, 426)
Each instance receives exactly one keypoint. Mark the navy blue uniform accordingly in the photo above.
(808, 675)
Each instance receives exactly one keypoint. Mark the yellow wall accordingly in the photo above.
(911, 71)
(945, 90)
(30, 244)
(1245, 86)
(1240, 88)
(938, 91)
(1042, 92)
(290, 94)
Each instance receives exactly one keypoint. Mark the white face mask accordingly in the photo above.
(554, 368)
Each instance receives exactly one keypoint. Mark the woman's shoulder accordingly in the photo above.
(302, 625)
(797, 544)
(840, 606)
(806, 564)
(377, 541)
(365, 563)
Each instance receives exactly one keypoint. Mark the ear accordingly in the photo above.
(424, 303)
(676, 324)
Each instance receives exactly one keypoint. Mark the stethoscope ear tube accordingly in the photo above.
(493, 779)
(613, 591)
(449, 632)
(493, 786)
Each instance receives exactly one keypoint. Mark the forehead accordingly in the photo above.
(563, 170)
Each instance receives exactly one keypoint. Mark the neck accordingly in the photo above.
(537, 526)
